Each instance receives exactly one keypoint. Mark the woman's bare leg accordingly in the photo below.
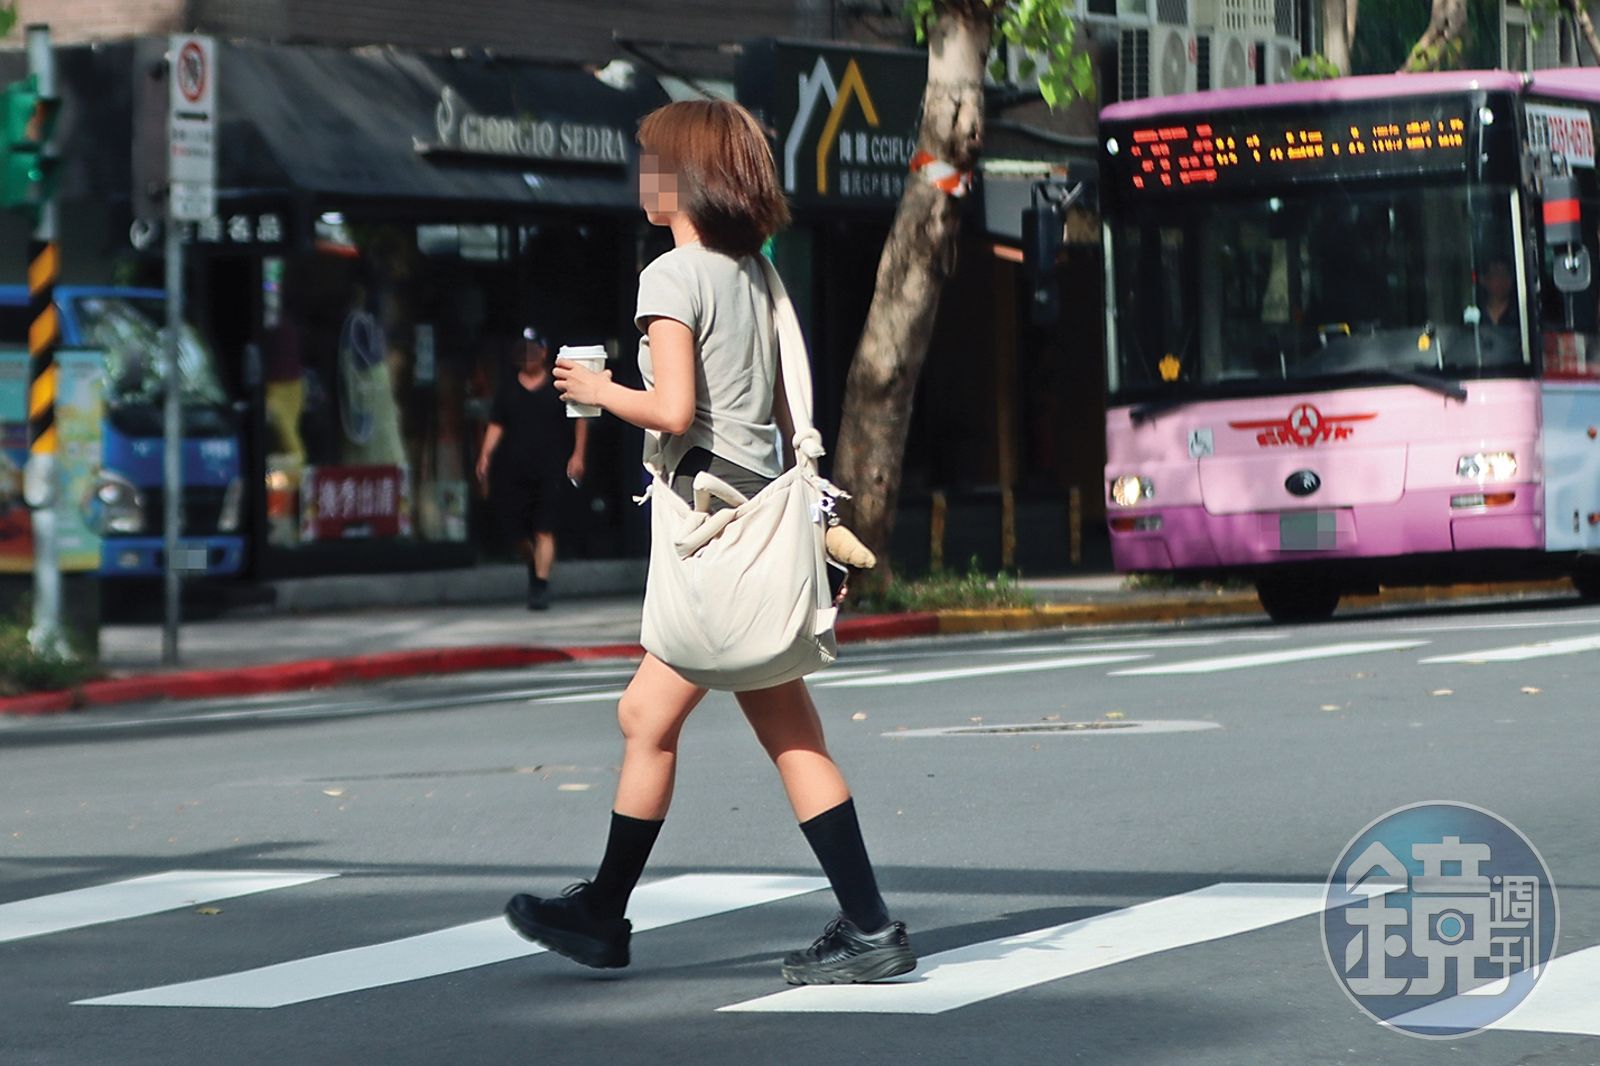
(787, 725)
(651, 714)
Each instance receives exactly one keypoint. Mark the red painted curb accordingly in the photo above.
(37, 703)
(886, 627)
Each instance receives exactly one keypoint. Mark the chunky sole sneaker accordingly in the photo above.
(844, 955)
(564, 925)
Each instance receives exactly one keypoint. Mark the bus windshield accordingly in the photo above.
(1315, 287)
(132, 333)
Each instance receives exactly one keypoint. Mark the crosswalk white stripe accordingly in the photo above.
(922, 677)
(1563, 1001)
(463, 947)
(1521, 652)
(1270, 658)
(1154, 643)
(136, 898)
(971, 974)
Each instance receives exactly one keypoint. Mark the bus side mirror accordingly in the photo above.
(1042, 226)
(1563, 232)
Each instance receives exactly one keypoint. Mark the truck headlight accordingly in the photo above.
(1128, 490)
(232, 507)
(1487, 466)
(113, 505)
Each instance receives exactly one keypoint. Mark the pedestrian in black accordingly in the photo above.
(530, 453)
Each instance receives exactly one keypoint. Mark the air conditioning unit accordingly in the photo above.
(1281, 58)
(1133, 64)
(1172, 61)
(1233, 61)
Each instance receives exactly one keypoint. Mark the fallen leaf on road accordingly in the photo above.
(859, 716)
(1052, 718)
(333, 792)
(1332, 707)
(1442, 692)
(208, 911)
(1529, 690)
(573, 786)
(976, 718)
(1115, 715)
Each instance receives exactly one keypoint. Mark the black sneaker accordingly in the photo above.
(844, 955)
(565, 925)
(538, 594)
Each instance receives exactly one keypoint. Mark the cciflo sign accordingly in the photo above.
(846, 118)
(463, 130)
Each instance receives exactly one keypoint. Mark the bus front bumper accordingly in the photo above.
(1426, 522)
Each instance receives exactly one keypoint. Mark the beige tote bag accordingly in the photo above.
(739, 600)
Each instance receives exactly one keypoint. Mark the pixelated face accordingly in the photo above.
(658, 189)
(533, 356)
(1497, 280)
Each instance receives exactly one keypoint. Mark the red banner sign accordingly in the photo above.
(338, 502)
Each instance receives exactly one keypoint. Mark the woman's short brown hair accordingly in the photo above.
(721, 155)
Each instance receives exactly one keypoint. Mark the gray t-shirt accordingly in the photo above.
(724, 302)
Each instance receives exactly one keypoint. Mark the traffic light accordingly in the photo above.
(28, 167)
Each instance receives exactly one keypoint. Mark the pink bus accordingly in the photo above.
(1351, 335)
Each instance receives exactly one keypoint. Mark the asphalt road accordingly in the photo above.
(318, 878)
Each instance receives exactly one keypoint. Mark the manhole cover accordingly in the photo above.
(1099, 727)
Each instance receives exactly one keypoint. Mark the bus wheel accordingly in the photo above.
(1297, 598)
(1586, 579)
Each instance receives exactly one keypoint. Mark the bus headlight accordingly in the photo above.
(1128, 490)
(232, 507)
(113, 504)
(1487, 466)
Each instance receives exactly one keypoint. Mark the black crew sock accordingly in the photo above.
(627, 850)
(835, 836)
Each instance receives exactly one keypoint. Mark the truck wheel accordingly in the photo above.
(1291, 599)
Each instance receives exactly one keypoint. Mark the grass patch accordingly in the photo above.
(22, 670)
(945, 591)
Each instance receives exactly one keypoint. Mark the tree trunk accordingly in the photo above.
(1339, 32)
(1580, 15)
(1445, 27)
(917, 259)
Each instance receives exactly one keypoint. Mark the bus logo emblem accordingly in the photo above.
(1305, 427)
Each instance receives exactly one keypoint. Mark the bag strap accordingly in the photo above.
(795, 367)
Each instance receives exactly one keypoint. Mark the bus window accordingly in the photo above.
(1311, 289)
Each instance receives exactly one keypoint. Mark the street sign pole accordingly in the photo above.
(191, 197)
(172, 467)
(44, 336)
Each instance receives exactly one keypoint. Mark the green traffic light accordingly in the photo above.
(27, 173)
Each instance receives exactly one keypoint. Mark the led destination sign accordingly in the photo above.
(1192, 152)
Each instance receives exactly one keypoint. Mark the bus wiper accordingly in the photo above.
(1450, 390)
(1146, 411)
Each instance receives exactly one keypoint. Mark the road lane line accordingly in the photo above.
(137, 898)
(463, 947)
(1522, 652)
(1563, 1001)
(1150, 644)
(1270, 658)
(971, 974)
(923, 677)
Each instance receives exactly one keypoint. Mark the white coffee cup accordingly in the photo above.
(590, 357)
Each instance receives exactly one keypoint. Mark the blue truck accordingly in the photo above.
(127, 324)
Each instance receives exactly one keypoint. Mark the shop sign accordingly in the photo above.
(345, 502)
(461, 129)
(846, 118)
(239, 229)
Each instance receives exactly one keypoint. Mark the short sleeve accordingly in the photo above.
(667, 290)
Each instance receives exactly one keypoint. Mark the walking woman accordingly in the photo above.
(709, 362)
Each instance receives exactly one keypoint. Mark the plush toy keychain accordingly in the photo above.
(846, 548)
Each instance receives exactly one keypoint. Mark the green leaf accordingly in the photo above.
(8, 18)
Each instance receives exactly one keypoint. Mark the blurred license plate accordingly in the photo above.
(1307, 531)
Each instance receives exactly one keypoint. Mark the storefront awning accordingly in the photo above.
(378, 123)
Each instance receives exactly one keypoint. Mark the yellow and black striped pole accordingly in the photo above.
(44, 337)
